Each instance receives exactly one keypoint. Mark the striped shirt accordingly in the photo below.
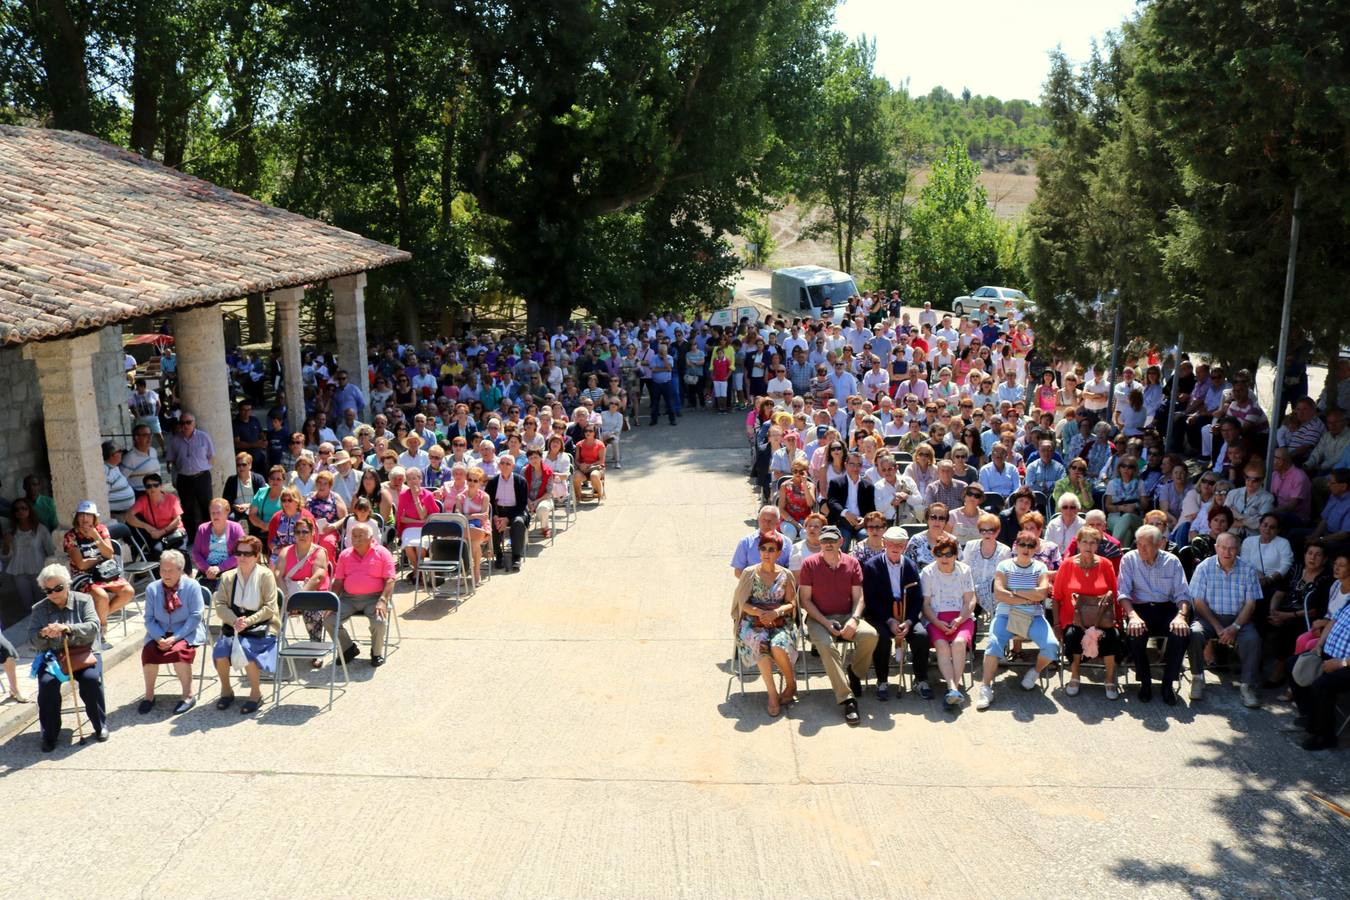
(1022, 578)
(1225, 593)
(1162, 582)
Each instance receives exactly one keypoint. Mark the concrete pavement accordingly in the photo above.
(564, 733)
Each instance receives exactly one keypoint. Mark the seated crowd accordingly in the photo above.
(502, 432)
(920, 478)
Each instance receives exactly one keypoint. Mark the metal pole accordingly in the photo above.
(1172, 401)
(1115, 361)
(1274, 414)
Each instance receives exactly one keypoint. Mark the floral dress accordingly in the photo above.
(755, 639)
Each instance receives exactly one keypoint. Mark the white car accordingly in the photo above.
(1003, 299)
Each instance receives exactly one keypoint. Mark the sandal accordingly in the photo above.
(225, 702)
(250, 706)
(1073, 688)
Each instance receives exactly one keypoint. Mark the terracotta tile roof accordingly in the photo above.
(91, 234)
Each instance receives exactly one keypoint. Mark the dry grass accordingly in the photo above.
(1009, 195)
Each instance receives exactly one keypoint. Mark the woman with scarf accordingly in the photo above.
(173, 629)
(246, 603)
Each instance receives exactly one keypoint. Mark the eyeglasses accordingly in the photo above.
(189, 421)
(1209, 481)
(54, 590)
(937, 518)
(1026, 545)
(875, 527)
(945, 554)
(1251, 478)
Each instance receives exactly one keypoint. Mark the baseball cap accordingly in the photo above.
(830, 533)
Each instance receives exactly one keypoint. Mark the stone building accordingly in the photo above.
(92, 236)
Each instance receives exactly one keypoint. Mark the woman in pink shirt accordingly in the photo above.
(416, 504)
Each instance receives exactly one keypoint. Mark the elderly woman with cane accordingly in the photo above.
(63, 628)
(246, 602)
(173, 629)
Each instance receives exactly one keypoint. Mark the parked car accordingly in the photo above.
(1003, 299)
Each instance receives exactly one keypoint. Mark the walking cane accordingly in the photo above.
(74, 698)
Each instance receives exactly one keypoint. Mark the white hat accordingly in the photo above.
(87, 506)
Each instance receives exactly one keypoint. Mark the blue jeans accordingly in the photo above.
(1041, 634)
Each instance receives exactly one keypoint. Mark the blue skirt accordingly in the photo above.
(260, 650)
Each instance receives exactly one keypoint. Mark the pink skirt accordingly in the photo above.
(965, 633)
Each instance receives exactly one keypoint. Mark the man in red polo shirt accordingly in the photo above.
(830, 586)
(364, 579)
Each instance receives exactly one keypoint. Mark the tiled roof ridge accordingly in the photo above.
(92, 234)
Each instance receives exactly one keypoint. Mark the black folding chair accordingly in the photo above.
(445, 553)
(288, 650)
(993, 502)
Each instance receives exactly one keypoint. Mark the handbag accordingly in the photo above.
(1307, 668)
(1094, 611)
(174, 540)
(1020, 619)
(690, 378)
(80, 657)
(109, 569)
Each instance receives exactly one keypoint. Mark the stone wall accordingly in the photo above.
(23, 446)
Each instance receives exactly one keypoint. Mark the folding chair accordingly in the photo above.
(903, 457)
(203, 652)
(913, 528)
(1041, 501)
(892, 440)
(567, 502)
(288, 650)
(993, 502)
(1059, 663)
(445, 554)
(135, 567)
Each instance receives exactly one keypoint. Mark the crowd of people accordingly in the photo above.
(922, 477)
(502, 432)
(925, 482)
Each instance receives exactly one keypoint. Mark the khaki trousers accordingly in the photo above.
(831, 653)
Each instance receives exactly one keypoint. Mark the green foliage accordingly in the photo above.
(985, 126)
(954, 243)
(1178, 153)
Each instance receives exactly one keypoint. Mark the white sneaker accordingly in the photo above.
(1197, 687)
(1030, 679)
(1249, 698)
(985, 698)
(1112, 692)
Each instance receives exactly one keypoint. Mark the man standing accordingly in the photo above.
(364, 580)
(831, 594)
(663, 387)
(1153, 596)
(191, 453)
(249, 437)
(1225, 590)
(893, 605)
(510, 511)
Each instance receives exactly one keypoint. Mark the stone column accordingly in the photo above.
(204, 383)
(288, 333)
(70, 418)
(349, 305)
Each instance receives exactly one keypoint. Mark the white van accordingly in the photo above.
(802, 290)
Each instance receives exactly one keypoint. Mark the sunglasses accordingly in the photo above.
(54, 590)
(151, 485)
(937, 518)
(1025, 545)
(245, 553)
(988, 531)
(945, 554)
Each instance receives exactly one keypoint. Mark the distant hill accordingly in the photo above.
(1000, 131)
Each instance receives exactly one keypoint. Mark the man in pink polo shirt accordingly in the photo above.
(364, 580)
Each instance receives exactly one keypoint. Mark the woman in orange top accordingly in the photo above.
(590, 463)
(1085, 574)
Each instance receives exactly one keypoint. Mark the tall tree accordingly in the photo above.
(847, 155)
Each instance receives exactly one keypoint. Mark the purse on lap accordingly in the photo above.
(1020, 619)
(1094, 611)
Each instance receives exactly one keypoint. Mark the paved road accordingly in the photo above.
(564, 733)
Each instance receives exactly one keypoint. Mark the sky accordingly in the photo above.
(994, 48)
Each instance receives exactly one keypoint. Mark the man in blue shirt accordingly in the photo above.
(1224, 590)
(747, 548)
(842, 382)
(347, 396)
(1044, 470)
(999, 476)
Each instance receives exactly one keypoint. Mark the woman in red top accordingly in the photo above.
(304, 565)
(590, 463)
(539, 490)
(796, 500)
(1085, 574)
